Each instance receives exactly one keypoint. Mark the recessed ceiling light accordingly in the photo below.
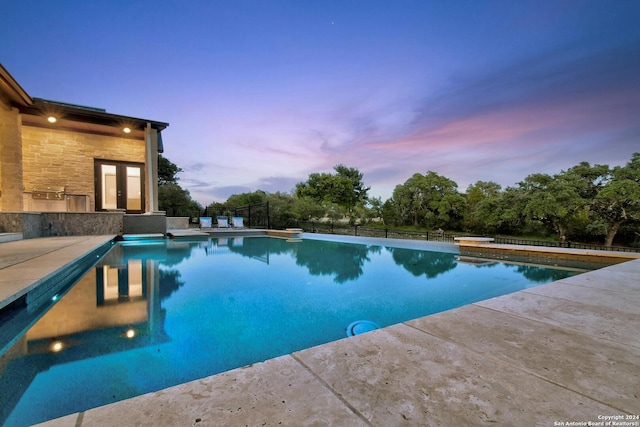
(127, 130)
(51, 119)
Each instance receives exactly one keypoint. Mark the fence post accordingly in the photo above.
(332, 228)
(356, 231)
(427, 234)
(386, 232)
(268, 218)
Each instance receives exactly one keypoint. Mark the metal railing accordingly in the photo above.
(440, 236)
(568, 244)
(359, 230)
(255, 216)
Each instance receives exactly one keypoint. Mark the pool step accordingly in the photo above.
(135, 237)
(189, 233)
(10, 237)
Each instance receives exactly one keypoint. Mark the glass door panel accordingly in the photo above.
(109, 187)
(134, 189)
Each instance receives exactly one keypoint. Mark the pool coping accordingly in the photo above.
(26, 264)
(505, 360)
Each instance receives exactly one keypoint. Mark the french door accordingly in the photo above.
(119, 185)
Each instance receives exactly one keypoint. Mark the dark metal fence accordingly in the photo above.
(254, 216)
(439, 236)
(574, 245)
(359, 230)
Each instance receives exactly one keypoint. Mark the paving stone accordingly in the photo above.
(601, 321)
(627, 303)
(604, 370)
(277, 392)
(403, 376)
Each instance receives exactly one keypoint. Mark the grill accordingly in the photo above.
(49, 193)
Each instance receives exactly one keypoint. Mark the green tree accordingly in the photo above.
(619, 199)
(281, 209)
(358, 193)
(176, 201)
(172, 198)
(245, 199)
(344, 188)
(390, 213)
(482, 199)
(370, 210)
(308, 208)
(428, 200)
(167, 171)
(552, 200)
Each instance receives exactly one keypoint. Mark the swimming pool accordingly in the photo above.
(155, 314)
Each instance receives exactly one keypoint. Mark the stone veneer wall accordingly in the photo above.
(53, 157)
(47, 224)
(177, 222)
(27, 223)
(80, 223)
(562, 259)
(144, 224)
(10, 155)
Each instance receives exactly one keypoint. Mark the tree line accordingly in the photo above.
(585, 203)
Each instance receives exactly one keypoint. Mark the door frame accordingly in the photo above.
(121, 184)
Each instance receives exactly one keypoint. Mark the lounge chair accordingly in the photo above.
(223, 222)
(205, 222)
(237, 222)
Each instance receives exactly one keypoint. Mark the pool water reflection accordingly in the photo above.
(153, 315)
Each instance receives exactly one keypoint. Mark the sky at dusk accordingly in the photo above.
(259, 94)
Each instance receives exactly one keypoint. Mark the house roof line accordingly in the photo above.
(88, 114)
(12, 88)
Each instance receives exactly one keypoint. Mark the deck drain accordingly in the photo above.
(360, 327)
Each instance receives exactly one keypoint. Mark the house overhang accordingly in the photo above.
(87, 119)
(38, 112)
(10, 88)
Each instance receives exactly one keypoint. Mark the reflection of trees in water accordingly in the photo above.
(260, 247)
(541, 274)
(419, 263)
(169, 282)
(175, 253)
(345, 261)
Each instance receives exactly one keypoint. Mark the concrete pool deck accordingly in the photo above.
(564, 352)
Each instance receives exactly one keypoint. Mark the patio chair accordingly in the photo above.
(223, 222)
(237, 222)
(205, 222)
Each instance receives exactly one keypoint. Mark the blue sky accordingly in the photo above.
(259, 94)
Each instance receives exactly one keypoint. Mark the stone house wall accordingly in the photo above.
(10, 156)
(54, 157)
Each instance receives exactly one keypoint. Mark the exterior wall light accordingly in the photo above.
(52, 119)
(126, 130)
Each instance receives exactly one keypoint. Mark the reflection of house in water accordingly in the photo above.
(115, 307)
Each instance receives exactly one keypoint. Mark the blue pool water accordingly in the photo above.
(157, 314)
